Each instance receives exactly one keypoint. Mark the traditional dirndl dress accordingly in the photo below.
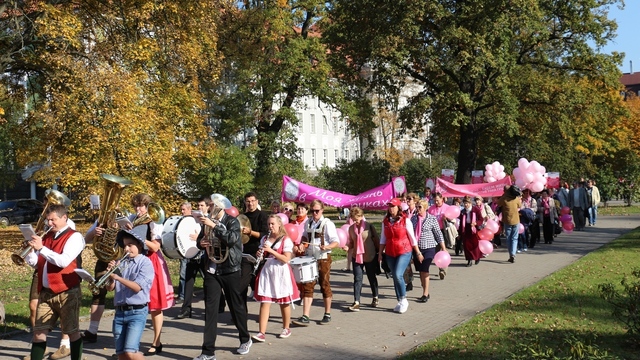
(275, 282)
(161, 293)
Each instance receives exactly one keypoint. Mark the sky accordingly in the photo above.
(627, 40)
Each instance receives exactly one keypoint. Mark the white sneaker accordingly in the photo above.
(398, 306)
(205, 357)
(404, 305)
(244, 347)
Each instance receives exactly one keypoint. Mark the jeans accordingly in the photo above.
(397, 265)
(358, 270)
(522, 241)
(511, 233)
(127, 329)
(593, 214)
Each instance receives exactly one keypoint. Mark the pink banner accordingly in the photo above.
(374, 199)
(450, 189)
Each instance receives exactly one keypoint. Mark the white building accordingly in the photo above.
(324, 137)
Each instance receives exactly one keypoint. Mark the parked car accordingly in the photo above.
(20, 211)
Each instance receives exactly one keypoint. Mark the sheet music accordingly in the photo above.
(84, 275)
(27, 231)
(124, 223)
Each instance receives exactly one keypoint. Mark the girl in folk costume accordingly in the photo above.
(397, 241)
(364, 244)
(470, 219)
(161, 294)
(275, 282)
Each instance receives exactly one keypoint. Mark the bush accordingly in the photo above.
(626, 302)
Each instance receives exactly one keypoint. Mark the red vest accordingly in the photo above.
(398, 242)
(60, 279)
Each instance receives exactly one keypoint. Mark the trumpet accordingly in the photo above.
(105, 280)
(261, 254)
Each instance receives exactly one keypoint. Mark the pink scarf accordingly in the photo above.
(359, 242)
(418, 229)
(464, 220)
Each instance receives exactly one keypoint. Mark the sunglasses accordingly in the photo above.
(418, 207)
(287, 209)
(315, 211)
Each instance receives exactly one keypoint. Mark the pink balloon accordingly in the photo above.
(442, 259)
(520, 228)
(565, 210)
(343, 236)
(232, 211)
(452, 212)
(565, 218)
(404, 206)
(284, 218)
(485, 234)
(492, 225)
(523, 164)
(345, 227)
(528, 177)
(568, 226)
(292, 231)
(485, 246)
(536, 186)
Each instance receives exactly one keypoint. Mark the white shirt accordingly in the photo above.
(410, 234)
(330, 236)
(72, 248)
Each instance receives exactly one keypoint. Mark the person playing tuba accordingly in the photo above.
(222, 276)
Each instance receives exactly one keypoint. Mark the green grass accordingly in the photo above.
(566, 303)
(619, 210)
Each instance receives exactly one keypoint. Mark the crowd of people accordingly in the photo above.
(258, 261)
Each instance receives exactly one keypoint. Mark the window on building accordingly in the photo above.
(325, 157)
(300, 122)
(313, 157)
(313, 123)
(336, 155)
(346, 155)
(325, 125)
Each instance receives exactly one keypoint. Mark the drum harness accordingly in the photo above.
(318, 230)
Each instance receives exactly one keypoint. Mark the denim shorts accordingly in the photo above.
(127, 329)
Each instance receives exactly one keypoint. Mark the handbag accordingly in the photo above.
(557, 228)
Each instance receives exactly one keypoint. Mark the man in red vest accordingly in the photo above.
(58, 284)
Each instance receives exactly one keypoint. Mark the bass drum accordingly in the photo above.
(176, 243)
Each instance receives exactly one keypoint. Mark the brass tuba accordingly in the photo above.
(215, 251)
(105, 246)
(54, 197)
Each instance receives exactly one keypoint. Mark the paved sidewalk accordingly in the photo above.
(371, 333)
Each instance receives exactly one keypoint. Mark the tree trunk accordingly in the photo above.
(467, 152)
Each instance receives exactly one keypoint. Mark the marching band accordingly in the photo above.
(229, 251)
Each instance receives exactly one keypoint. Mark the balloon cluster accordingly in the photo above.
(494, 172)
(566, 219)
(530, 175)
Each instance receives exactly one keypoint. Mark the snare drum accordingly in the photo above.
(305, 269)
(176, 243)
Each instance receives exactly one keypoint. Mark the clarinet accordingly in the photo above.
(260, 255)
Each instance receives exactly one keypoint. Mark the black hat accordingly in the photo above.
(139, 233)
